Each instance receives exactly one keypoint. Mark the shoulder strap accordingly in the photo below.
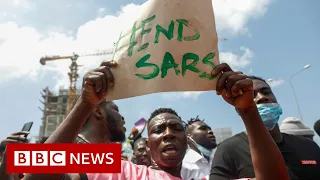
(83, 176)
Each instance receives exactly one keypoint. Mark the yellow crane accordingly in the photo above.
(73, 74)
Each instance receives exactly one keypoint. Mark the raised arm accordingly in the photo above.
(94, 90)
(237, 89)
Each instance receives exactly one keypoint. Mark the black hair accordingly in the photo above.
(137, 141)
(193, 120)
(2, 147)
(102, 105)
(316, 127)
(257, 78)
(162, 110)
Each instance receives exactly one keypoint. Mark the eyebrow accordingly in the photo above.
(263, 88)
(206, 126)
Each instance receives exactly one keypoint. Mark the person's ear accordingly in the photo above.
(97, 112)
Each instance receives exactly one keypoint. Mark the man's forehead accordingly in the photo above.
(163, 118)
(141, 143)
(112, 105)
(258, 84)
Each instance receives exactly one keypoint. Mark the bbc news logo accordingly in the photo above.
(63, 158)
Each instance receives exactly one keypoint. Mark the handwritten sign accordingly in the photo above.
(171, 47)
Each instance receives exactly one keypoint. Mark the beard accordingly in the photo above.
(117, 135)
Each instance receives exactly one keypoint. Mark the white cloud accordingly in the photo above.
(233, 15)
(15, 3)
(100, 10)
(235, 61)
(182, 95)
(275, 82)
(21, 47)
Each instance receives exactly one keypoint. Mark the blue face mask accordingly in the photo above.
(206, 152)
(270, 114)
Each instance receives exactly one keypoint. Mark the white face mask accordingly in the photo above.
(203, 150)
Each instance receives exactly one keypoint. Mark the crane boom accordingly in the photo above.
(43, 60)
(73, 74)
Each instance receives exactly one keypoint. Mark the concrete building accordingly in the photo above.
(54, 110)
(222, 134)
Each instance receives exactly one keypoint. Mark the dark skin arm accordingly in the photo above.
(15, 138)
(237, 89)
(95, 85)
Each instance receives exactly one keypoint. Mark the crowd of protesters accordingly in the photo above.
(177, 149)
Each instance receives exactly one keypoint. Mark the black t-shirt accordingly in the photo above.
(232, 158)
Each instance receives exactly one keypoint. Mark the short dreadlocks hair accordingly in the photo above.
(193, 120)
(162, 110)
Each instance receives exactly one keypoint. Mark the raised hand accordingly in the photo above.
(16, 138)
(97, 82)
(236, 88)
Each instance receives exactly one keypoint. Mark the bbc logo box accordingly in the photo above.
(63, 158)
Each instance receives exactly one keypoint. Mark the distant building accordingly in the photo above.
(222, 134)
(54, 110)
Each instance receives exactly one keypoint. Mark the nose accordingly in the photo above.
(210, 132)
(168, 135)
(144, 153)
(261, 98)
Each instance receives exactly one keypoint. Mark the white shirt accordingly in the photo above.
(195, 166)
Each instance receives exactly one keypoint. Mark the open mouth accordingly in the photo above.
(170, 150)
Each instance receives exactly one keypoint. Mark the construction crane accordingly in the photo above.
(73, 74)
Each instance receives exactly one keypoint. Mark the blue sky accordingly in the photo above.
(267, 38)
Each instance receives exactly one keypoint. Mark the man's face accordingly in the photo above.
(115, 123)
(263, 93)
(167, 140)
(141, 153)
(202, 134)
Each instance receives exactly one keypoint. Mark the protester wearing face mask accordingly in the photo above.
(232, 158)
(197, 161)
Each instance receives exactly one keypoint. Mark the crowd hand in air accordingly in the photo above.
(235, 87)
(17, 138)
(14, 138)
(97, 82)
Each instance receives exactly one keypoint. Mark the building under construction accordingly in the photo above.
(55, 109)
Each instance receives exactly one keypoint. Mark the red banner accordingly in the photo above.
(63, 158)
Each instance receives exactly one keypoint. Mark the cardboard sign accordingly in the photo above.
(171, 47)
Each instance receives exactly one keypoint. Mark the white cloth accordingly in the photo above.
(294, 126)
(195, 166)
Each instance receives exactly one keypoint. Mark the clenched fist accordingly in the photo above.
(236, 88)
(97, 82)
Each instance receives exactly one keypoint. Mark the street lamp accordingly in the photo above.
(291, 84)
(294, 92)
